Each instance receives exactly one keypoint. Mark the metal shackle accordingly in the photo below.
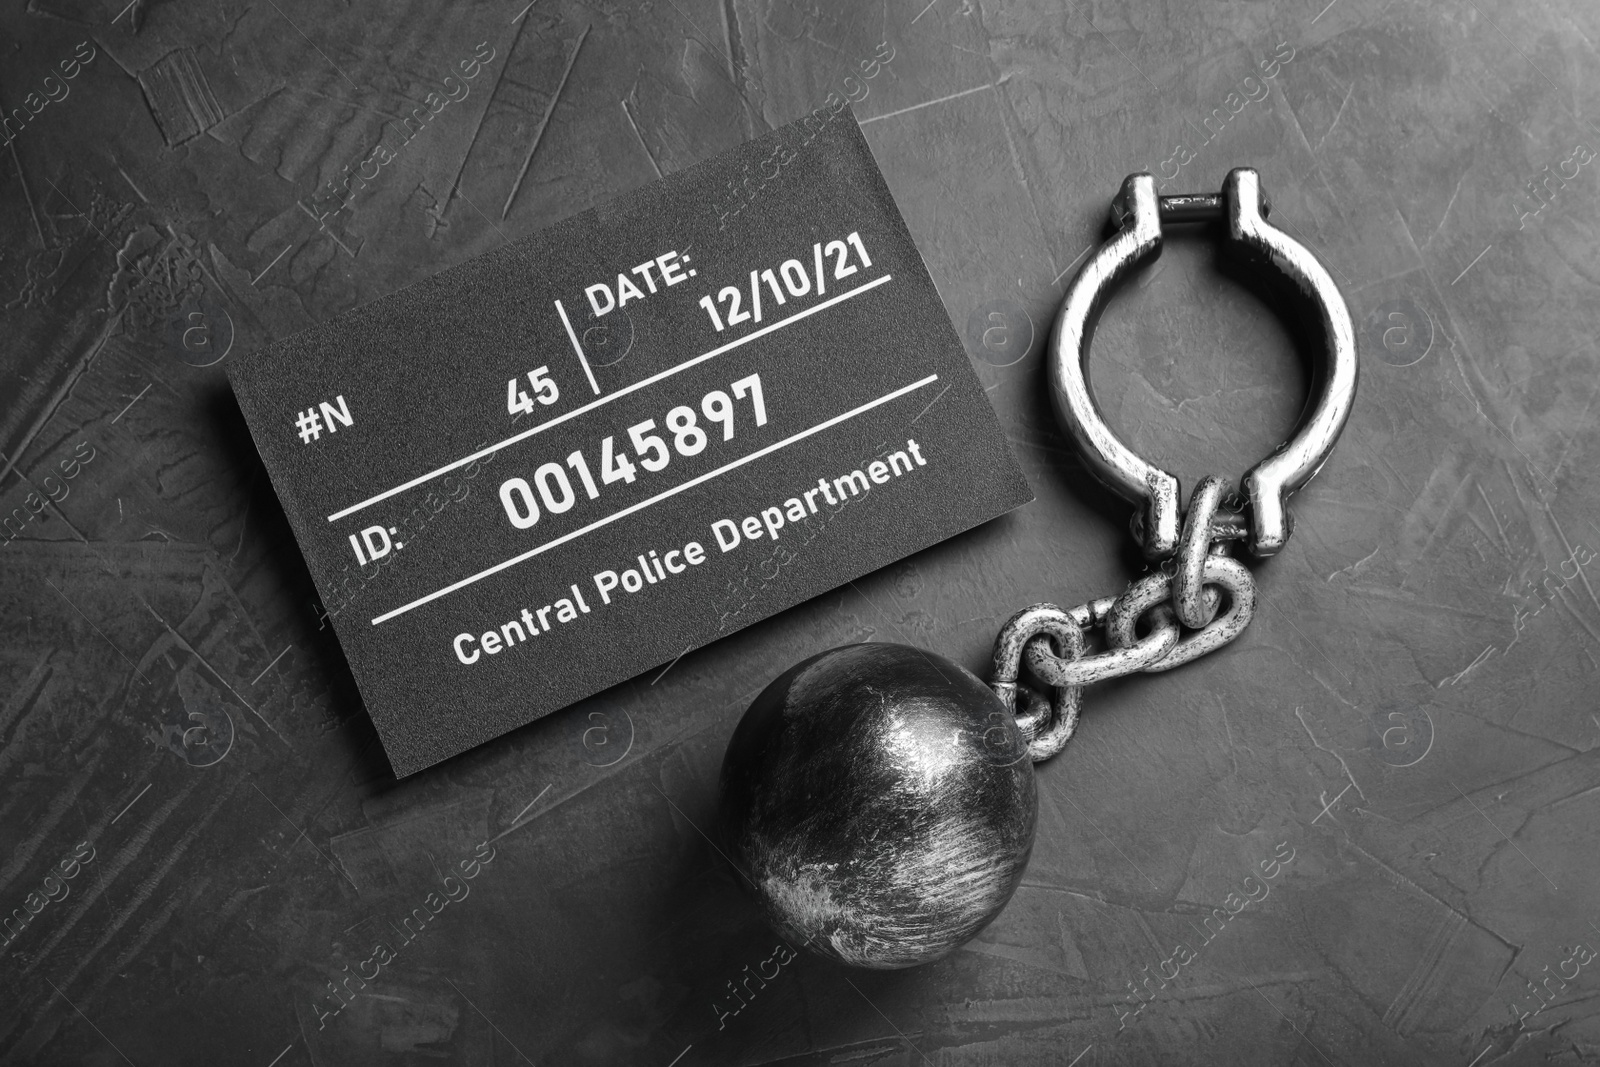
(1139, 214)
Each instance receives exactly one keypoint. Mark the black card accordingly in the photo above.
(586, 452)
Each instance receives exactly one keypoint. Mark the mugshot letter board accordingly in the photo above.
(589, 451)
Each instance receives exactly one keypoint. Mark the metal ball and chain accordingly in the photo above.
(878, 800)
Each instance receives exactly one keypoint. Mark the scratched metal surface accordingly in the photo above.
(1387, 786)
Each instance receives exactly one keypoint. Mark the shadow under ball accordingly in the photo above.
(879, 803)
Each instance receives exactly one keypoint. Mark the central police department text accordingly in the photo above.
(613, 586)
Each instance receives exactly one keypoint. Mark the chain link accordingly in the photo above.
(1188, 594)
(1046, 726)
(1193, 608)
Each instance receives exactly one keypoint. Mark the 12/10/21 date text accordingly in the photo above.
(553, 488)
(790, 280)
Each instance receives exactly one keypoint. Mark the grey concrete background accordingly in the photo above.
(1403, 740)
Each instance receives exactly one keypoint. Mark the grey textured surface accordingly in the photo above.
(1397, 755)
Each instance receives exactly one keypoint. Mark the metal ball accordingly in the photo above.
(878, 801)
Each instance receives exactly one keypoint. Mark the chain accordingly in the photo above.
(1186, 594)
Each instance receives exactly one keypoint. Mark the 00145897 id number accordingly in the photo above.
(552, 488)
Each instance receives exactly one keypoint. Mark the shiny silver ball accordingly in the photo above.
(878, 801)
